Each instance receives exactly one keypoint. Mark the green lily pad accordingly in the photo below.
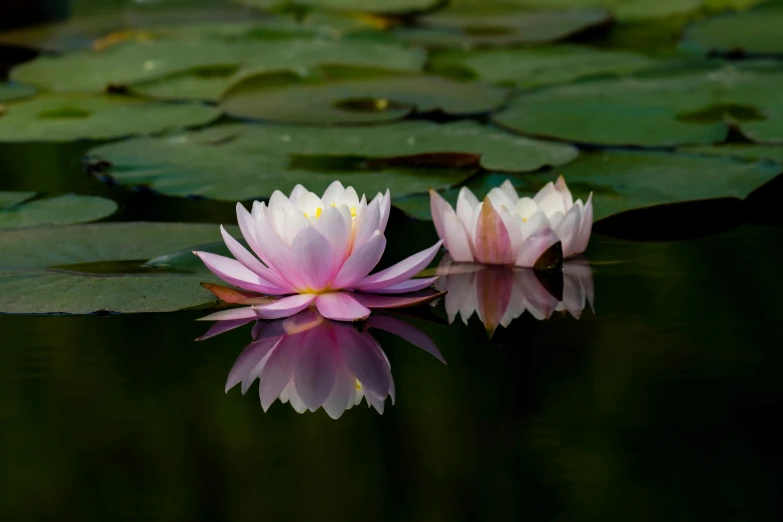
(242, 162)
(538, 66)
(367, 6)
(748, 152)
(493, 25)
(755, 32)
(341, 95)
(81, 269)
(10, 91)
(71, 117)
(202, 69)
(661, 111)
(623, 10)
(17, 212)
(622, 181)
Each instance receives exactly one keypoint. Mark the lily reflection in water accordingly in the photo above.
(312, 362)
(500, 294)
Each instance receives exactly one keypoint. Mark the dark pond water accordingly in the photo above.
(651, 392)
(660, 405)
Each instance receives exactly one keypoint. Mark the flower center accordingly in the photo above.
(320, 210)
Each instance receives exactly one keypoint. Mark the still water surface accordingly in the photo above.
(659, 405)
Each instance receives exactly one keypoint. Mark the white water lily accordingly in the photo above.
(505, 229)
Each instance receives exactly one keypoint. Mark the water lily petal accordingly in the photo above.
(297, 193)
(385, 206)
(244, 313)
(365, 360)
(568, 230)
(249, 260)
(340, 306)
(493, 243)
(457, 238)
(277, 254)
(395, 301)
(562, 188)
(402, 271)
(509, 190)
(406, 331)
(438, 207)
(223, 326)
(411, 285)
(586, 226)
(361, 261)
(368, 219)
(333, 227)
(536, 244)
(247, 225)
(278, 370)
(466, 206)
(550, 200)
(314, 369)
(525, 208)
(493, 290)
(350, 198)
(343, 391)
(237, 274)
(285, 307)
(247, 361)
(538, 300)
(333, 193)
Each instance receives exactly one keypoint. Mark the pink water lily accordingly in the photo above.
(500, 294)
(318, 252)
(505, 229)
(311, 362)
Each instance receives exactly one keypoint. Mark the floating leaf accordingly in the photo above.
(71, 117)
(60, 210)
(749, 152)
(491, 25)
(661, 111)
(241, 162)
(624, 10)
(367, 6)
(11, 91)
(622, 181)
(755, 32)
(82, 269)
(355, 95)
(538, 66)
(202, 69)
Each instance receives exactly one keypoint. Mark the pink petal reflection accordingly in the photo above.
(312, 362)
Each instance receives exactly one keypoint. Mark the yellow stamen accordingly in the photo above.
(353, 211)
(318, 212)
(358, 385)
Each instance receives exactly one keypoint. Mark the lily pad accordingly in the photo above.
(754, 32)
(492, 25)
(241, 162)
(343, 95)
(17, 212)
(623, 10)
(367, 6)
(10, 91)
(538, 66)
(622, 181)
(81, 269)
(745, 151)
(71, 117)
(660, 111)
(202, 69)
